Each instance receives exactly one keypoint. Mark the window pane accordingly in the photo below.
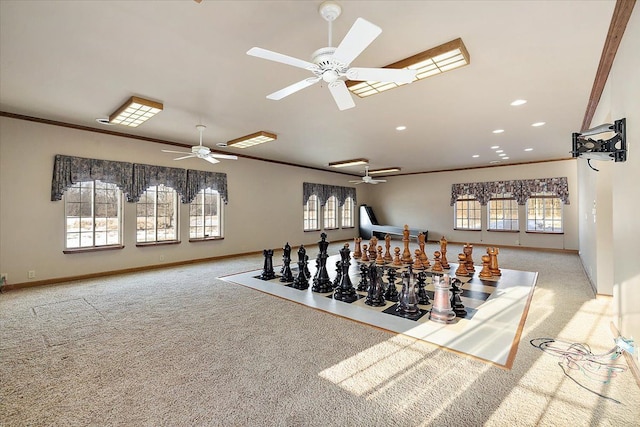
(204, 220)
(467, 214)
(544, 213)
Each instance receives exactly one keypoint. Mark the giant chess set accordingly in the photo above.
(406, 292)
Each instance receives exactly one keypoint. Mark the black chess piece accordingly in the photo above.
(336, 281)
(363, 285)
(267, 270)
(456, 301)
(375, 296)
(287, 275)
(391, 293)
(306, 267)
(423, 297)
(408, 301)
(321, 280)
(345, 291)
(302, 280)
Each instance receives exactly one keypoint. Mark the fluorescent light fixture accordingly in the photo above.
(437, 60)
(538, 124)
(135, 111)
(519, 102)
(385, 170)
(346, 163)
(251, 140)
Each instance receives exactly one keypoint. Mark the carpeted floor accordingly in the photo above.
(179, 347)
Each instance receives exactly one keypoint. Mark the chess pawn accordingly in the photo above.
(437, 266)
(417, 263)
(391, 293)
(462, 269)
(364, 277)
(387, 244)
(423, 297)
(373, 244)
(443, 251)
(486, 272)
(468, 251)
(407, 301)
(441, 310)
(365, 254)
(396, 260)
(493, 265)
(375, 295)
(357, 252)
(379, 259)
(456, 301)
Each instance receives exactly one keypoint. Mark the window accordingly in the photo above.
(310, 222)
(157, 215)
(205, 215)
(93, 215)
(330, 213)
(503, 213)
(544, 213)
(467, 214)
(348, 219)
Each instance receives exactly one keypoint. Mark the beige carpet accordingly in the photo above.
(178, 347)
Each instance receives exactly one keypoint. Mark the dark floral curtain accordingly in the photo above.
(199, 180)
(323, 192)
(521, 189)
(133, 178)
(145, 176)
(68, 170)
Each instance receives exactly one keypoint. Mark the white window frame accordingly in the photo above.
(155, 235)
(311, 214)
(99, 237)
(330, 213)
(544, 221)
(463, 222)
(201, 225)
(347, 215)
(500, 215)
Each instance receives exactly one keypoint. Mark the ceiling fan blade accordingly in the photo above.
(341, 95)
(381, 75)
(375, 181)
(276, 96)
(185, 157)
(211, 160)
(176, 152)
(356, 181)
(223, 156)
(278, 57)
(361, 34)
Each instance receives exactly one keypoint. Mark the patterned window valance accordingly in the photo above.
(133, 178)
(323, 192)
(68, 170)
(199, 180)
(521, 189)
(145, 176)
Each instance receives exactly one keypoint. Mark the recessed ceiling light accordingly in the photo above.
(401, 128)
(499, 151)
(494, 161)
(538, 124)
(501, 154)
(498, 131)
(493, 147)
(528, 149)
(476, 155)
(505, 158)
(104, 122)
(519, 102)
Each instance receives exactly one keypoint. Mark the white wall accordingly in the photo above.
(423, 201)
(264, 209)
(617, 184)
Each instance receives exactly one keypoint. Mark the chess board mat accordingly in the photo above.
(496, 309)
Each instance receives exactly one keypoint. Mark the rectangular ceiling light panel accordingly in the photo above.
(135, 111)
(437, 60)
(347, 163)
(251, 140)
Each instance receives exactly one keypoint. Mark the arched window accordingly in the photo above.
(311, 210)
(330, 213)
(348, 219)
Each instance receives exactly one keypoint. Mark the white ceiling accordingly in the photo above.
(76, 61)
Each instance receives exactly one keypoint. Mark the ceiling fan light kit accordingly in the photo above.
(332, 64)
(135, 111)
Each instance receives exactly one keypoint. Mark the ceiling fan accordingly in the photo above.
(202, 152)
(332, 64)
(367, 179)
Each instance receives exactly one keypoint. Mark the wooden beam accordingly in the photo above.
(621, 15)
